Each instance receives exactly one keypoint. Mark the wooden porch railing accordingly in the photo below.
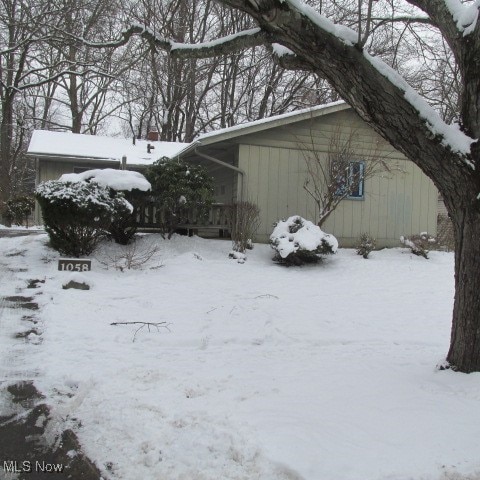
(152, 218)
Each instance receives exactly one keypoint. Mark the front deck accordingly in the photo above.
(215, 224)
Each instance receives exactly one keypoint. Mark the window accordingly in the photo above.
(80, 169)
(356, 179)
(349, 179)
(220, 190)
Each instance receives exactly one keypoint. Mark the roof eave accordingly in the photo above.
(71, 158)
(249, 129)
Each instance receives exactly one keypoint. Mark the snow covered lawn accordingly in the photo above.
(322, 372)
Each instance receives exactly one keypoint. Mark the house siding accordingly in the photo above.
(403, 202)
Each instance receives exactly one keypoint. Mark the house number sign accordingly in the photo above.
(74, 265)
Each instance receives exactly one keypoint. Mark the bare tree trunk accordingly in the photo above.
(464, 353)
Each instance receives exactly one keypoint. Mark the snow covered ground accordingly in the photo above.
(322, 372)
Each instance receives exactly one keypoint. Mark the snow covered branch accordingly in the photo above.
(221, 46)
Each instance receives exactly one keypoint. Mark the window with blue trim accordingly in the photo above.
(356, 179)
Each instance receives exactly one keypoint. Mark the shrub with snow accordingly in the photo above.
(419, 244)
(180, 190)
(297, 241)
(123, 184)
(76, 215)
(366, 244)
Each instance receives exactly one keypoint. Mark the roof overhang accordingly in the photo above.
(263, 124)
(66, 158)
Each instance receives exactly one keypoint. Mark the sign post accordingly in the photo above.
(74, 265)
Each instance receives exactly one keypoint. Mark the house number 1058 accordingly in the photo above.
(74, 265)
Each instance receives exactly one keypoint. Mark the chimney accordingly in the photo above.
(152, 134)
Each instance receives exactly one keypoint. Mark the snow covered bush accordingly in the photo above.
(297, 241)
(366, 244)
(244, 220)
(123, 226)
(419, 244)
(182, 193)
(76, 214)
(124, 185)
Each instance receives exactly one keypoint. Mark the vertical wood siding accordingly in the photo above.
(399, 203)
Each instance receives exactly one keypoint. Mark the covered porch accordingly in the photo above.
(214, 224)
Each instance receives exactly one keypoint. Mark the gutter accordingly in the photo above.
(226, 165)
(69, 158)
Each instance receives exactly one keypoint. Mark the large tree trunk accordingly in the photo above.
(464, 353)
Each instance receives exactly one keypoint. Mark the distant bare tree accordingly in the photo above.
(188, 96)
(22, 32)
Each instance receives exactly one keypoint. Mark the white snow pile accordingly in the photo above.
(465, 16)
(120, 180)
(295, 233)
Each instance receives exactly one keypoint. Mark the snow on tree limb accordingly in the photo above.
(465, 16)
(452, 136)
(228, 44)
(449, 16)
(345, 34)
(220, 46)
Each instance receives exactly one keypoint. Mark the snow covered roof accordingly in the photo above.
(66, 145)
(265, 123)
(85, 147)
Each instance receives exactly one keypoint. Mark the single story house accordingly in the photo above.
(267, 162)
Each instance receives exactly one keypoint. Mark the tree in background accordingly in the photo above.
(38, 51)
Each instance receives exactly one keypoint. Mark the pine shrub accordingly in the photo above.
(18, 209)
(366, 244)
(297, 241)
(76, 215)
(124, 225)
(179, 190)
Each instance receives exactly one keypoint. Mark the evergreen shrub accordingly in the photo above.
(297, 241)
(181, 192)
(77, 214)
(366, 243)
(18, 209)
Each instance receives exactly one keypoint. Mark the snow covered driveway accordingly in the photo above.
(323, 372)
